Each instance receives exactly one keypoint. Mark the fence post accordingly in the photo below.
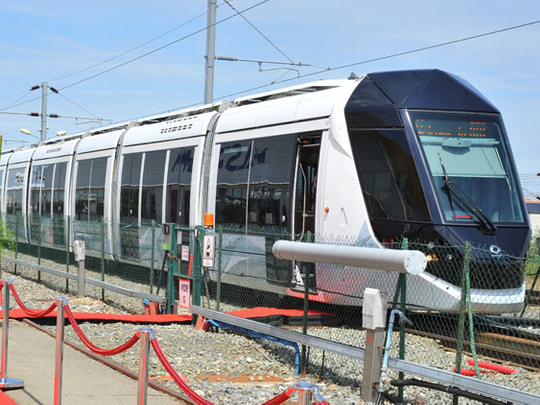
(468, 249)
(403, 307)
(462, 309)
(79, 249)
(197, 268)
(4, 381)
(303, 360)
(373, 320)
(16, 239)
(39, 246)
(68, 237)
(102, 257)
(171, 291)
(219, 259)
(152, 256)
(59, 360)
(142, 386)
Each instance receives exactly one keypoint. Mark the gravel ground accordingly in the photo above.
(210, 360)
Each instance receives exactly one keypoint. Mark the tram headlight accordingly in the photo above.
(432, 258)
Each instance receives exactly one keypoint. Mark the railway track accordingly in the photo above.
(512, 340)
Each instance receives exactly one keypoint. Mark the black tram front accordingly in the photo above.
(435, 167)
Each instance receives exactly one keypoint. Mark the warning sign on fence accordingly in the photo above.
(183, 293)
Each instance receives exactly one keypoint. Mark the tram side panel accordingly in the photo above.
(158, 181)
(18, 172)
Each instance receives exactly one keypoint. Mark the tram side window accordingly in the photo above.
(269, 181)
(46, 190)
(178, 185)
(129, 192)
(232, 182)
(90, 189)
(59, 188)
(152, 186)
(388, 175)
(96, 192)
(15, 185)
(35, 189)
(84, 168)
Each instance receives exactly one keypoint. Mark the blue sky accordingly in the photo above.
(41, 41)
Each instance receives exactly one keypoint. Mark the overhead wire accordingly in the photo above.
(259, 31)
(322, 70)
(107, 60)
(14, 95)
(129, 50)
(81, 107)
(162, 47)
(149, 52)
(24, 94)
(394, 55)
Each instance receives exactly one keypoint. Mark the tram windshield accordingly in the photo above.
(469, 163)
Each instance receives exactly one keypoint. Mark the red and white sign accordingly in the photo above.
(183, 293)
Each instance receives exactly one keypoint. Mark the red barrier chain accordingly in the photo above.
(174, 375)
(28, 311)
(104, 352)
(279, 399)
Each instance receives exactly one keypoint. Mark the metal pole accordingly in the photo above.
(16, 239)
(102, 257)
(219, 258)
(79, 248)
(373, 320)
(4, 381)
(403, 284)
(152, 256)
(142, 387)
(305, 397)
(39, 245)
(461, 324)
(171, 292)
(210, 53)
(197, 276)
(306, 266)
(44, 89)
(67, 251)
(59, 350)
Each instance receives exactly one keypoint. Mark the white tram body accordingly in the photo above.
(342, 159)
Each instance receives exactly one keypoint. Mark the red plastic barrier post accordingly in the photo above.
(142, 387)
(59, 350)
(4, 381)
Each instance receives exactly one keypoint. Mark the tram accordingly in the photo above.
(416, 154)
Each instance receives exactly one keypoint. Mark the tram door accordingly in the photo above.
(305, 192)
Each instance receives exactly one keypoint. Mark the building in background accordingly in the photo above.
(533, 208)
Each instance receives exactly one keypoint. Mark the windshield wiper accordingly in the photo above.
(452, 188)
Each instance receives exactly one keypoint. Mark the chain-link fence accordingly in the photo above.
(40, 241)
(472, 303)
